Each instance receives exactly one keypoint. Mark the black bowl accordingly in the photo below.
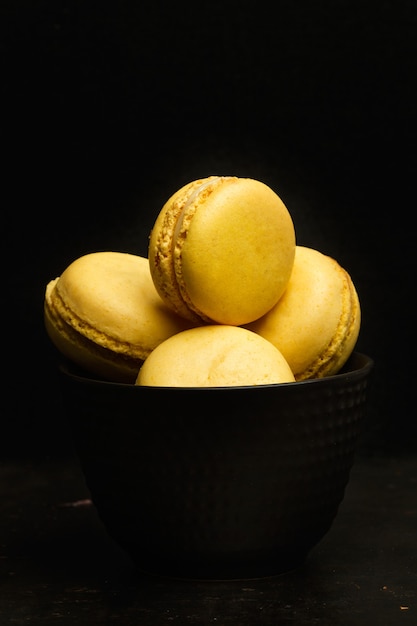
(218, 483)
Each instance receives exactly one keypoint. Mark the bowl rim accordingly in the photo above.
(71, 371)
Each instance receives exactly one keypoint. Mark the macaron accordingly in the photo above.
(104, 314)
(316, 322)
(222, 249)
(214, 356)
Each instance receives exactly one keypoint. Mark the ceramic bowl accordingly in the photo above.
(218, 483)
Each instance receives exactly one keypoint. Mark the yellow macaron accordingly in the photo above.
(214, 356)
(316, 322)
(104, 314)
(222, 250)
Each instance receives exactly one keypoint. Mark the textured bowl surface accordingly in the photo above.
(218, 483)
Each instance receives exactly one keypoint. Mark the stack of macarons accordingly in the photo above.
(225, 298)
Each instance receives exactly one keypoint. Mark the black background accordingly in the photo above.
(108, 108)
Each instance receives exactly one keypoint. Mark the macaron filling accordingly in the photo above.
(316, 322)
(184, 218)
(105, 358)
(164, 238)
(343, 340)
(196, 193)
(75, 326)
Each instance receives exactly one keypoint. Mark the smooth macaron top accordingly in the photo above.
(222, 250)
(316, 322)
(214, 356)
(104, 307)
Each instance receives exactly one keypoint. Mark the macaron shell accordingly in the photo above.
(228, 250)
(316, 322)
(214, 356)
(106, 301)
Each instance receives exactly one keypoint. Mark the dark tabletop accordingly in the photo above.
(58, 565)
